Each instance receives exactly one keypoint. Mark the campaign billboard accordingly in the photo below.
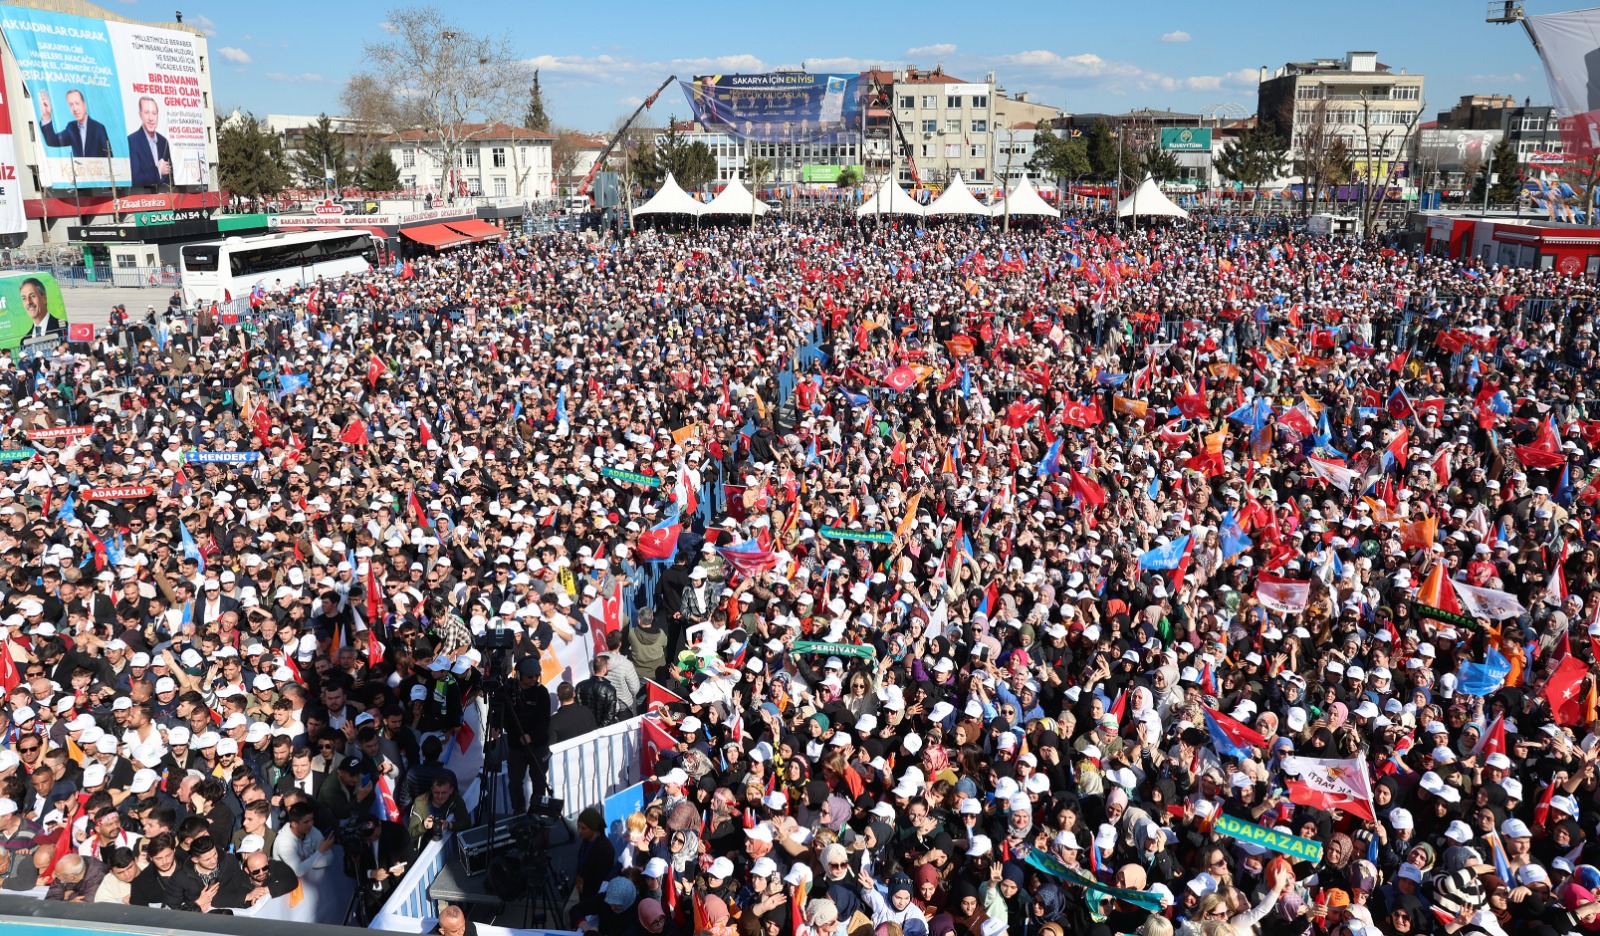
(116, 103)
(1570, 50)
(1455, 150)
(12, 219)
(778, 106)
(32, 312)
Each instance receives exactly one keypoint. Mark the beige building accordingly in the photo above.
(1360, 99)
(1021, 110)
(948, 125)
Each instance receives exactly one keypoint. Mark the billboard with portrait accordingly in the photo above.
(32, 312)
(12, 218)
(779, 106)
(116, 103)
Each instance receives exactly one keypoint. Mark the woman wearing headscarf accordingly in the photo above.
(898, 908)
(965, 909)
(927, 890)
(1049, 905)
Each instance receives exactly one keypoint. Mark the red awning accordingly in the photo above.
(478, 230)
(437, 236)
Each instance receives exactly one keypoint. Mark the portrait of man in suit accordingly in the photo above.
(36, 301)
(149, 156)
(84, 134)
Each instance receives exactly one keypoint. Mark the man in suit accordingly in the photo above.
(36, 302)
(301, 777)
(149, 156)
(85, 135)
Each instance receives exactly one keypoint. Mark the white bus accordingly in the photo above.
(215, 271)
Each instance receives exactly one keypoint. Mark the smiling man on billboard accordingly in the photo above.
(149, 156)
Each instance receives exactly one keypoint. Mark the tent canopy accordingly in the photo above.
(671, 199)
(957, 199)
(735, 199)
(890, 199)
(1148, 201)
(1023, 200)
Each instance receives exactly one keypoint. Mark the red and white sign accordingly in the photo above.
(80, 331)
(328, 208)
(1284, 596)
(126, 492)
(12, 219)
(60, 432)
(1330, 784)
(163, 201)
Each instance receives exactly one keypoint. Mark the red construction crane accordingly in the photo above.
(600, 160)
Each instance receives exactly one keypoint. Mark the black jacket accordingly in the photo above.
(570, 721)
(177, 891)
(598, 696)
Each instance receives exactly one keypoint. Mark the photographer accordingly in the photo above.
(442, 810)
(528, 734)
(377, 854)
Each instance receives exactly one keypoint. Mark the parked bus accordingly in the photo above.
(216, 271)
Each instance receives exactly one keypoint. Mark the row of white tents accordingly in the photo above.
(956, 200)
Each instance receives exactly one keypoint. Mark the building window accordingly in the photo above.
(472, 158)
(408, 159)
(980, 126)
(930, 101)
(408, 182)
(980, 102)
(979, 150)
(979, 174)
(908, 101)
(497, 157)
(500, 185)
(952, 126)
(905, 175)
(930, 126)
(1405, 93)
(1533, 124)
(953, 101)
(1309, 92)
(127, 261)
(952, 150)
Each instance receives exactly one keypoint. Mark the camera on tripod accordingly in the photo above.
(353, 833)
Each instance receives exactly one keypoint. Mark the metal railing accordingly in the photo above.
(166, 278)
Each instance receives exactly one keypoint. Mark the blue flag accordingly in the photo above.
(68, 508)
(1484, 679)
(561, 405)
(1165, 558)
(1051, 463)
(289, 383)
(190, 549)
(1232, 537)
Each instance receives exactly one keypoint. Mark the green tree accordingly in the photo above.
(849, 177)
(535, 118)
(1159, 163)
(756, 172)
(1102, 152)
(691, 164)
(1254, 158)
(250, 161)
(380, 174)
(1507, 172)
(1059, 157)
(322, 148)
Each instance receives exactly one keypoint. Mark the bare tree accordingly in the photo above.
(372, 112)
(1399, 132)
(459, 83)
(1324, 156)
(566, 151)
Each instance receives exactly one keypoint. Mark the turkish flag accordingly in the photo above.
(1565, 691)
(605, 616)
(375, 370)
(1080, 415)
(355, 433)
(657, 740)
(80, 331)
(656, 694)
(901, 379)
(1018, 414)
(1080, 486)
(9, 677)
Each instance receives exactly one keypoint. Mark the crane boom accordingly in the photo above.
(600, 160)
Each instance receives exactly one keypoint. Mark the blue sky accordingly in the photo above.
(597, 63)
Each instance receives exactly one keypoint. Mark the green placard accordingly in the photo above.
(11, 455)
(828, 173)
(31, 309)
(865, 536)
(632, 477)
(835, 649)
(1291, 845)
(1186, 139)
(1049, 864)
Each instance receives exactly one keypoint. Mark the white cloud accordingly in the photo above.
(302, 78)
(236, 55)
(1514, 76)
(931, 51)
(1177, 35)
(389, 27)
(202, 23)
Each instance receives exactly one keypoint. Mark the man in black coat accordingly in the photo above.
(263, 879)
(528, 730)
(571, 719)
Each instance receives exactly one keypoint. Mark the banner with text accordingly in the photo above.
(117, 103)
(12, 220)
(779, 106)
(32, 311)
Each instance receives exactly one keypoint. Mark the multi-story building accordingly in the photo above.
(497, 160)
(1358, 99)
(1533, 129)
(58, 181)
(1014, 110)
(948, 124)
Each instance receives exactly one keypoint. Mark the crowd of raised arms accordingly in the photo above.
(1060, 580)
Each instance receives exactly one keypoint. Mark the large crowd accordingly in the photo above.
(1060, 580)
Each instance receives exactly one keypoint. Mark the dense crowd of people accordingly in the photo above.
(1066, 579)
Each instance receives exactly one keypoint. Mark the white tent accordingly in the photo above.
(671, 199)
(1148, 201)
(735, 199)
(957, 199)
(890, 199)
(1024, 200)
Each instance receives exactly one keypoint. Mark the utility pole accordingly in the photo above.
(1488, 177)
(1117, 189)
